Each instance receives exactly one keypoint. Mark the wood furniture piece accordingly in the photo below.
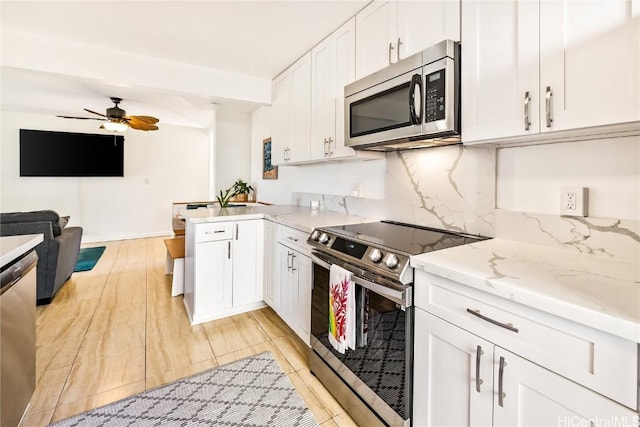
(175, 263)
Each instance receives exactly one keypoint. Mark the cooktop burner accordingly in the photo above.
(383, 248)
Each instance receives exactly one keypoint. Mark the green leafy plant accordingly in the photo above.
(225, 197)
(241, 187)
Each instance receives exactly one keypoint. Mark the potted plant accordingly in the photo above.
(241, 190)
(225, 197)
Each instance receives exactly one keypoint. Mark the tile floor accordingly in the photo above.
(115, 331)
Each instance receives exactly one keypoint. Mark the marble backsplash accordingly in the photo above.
(614, 238)
(451, 188)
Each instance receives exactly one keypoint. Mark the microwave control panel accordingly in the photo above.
(435, 96)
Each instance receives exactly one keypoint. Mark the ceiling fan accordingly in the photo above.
(117, 120)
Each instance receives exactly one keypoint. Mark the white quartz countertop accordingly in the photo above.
(12, 247)
(298, 217)
(595, 291)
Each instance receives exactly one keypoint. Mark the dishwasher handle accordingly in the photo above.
(15, 271)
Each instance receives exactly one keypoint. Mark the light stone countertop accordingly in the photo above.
(298, 217)
(596, 291)
(12, 247)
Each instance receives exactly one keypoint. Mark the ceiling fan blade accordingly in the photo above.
(94, 112)
(144, 119)
(81, 118)
(142, 126)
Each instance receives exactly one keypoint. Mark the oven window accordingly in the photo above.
(380, 359)
(383, 111)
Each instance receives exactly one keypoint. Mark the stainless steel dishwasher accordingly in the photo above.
(17, 338)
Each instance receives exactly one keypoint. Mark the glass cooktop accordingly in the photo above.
(404, 238)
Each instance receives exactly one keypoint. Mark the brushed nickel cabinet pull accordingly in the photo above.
(229, 249)
(293, 257)
(398, 49)
(501, 394)
(547, 101)
(508, 326)
(527, 99)
(479, 382)
(390, 49)
(236, 231)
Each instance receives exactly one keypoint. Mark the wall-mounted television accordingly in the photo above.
(47, 153)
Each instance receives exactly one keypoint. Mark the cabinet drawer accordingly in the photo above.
(597, 360)
(213, 231)
(293, 238)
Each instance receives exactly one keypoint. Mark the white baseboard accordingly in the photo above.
(90, 238)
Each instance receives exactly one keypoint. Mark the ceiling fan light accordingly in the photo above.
(116, 126)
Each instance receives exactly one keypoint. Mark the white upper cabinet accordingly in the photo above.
(388, 31)
(281, 108)
(531, 68)
(291, 133)
(589, 60)
(333, 67)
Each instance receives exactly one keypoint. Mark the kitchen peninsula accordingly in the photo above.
(239, 258)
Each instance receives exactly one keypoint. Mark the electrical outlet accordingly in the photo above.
(574, 201)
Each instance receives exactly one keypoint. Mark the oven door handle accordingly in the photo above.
(399, 297)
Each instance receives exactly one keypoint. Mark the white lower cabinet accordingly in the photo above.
(293, 281)
(484, 360)
(459, 379)
(223, 269)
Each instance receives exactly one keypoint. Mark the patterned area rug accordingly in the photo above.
(249, 392)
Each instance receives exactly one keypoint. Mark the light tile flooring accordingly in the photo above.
(115, 331)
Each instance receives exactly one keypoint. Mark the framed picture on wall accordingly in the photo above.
(268, 170)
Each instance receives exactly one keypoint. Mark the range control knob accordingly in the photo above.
(315, 236)
(375, 256)
(391, 261)
(324, 238)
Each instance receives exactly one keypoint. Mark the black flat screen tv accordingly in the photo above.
(46, 153)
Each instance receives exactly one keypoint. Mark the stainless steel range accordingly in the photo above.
(373, 381)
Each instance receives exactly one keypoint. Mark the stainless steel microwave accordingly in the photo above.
(413, 103)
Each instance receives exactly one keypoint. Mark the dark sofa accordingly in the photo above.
(57, 254)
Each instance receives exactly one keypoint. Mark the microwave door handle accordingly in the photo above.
(416, 82)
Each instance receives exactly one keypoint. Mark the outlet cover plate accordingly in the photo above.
(574, 201)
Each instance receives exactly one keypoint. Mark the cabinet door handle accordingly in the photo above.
(292, 238)
(229, 249)
(325, 147)
(527, 99)
(398, 49)
(289, 260)
(501, 393)
(293, 256)
(214, 232)
(479, 382)
(547, 101)
(390, 49)
(508, 326)
(236, 231)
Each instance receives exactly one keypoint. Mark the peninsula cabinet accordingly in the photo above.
(291, 133)
(223, 269)
(333, 64)
(484, 360)
(533, 68)
(388, 31)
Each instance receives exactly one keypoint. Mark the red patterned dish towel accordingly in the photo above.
(342, 312)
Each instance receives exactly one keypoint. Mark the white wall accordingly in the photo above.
(233, 148)
(161, 167)
(529, 178)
